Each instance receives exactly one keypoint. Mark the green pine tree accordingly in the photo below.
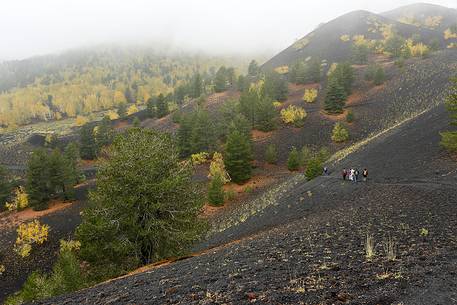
(162, 106)
(5, 186)
(220, 80)
(379, 76)
(88, 146)
(335, 97)
(38, 184)
(266, 114)
(184, 136)
(146, 206)
(449, 138)
(238, 156)
(216, 191)
(104, 133)
(271, 154)
(293, 161)
(122, 111)
(313, 169)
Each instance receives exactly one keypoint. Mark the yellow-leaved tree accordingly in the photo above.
(310, 95)
(293, 115)
(20, 201)
(217, 168)
(28, 234)
(132, 109)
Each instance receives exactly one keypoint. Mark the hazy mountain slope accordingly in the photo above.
(425, 15)
(320, 257)
(325, 42)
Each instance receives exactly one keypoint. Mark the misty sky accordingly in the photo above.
(32, 27)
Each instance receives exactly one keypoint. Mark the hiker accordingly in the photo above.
(345, 173)
(356, 173)
(351, 174)
(326, 171)
(365, 174)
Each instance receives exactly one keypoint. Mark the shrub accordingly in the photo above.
(313, 169)
(350, 117)
(217, 168)
(28, 234)
(339, 133)
(310, 95)
(293, 115)
(323, 154)
(271, 154)
(5, 186)
(80, 120)
(449, 140)
(238, 156)
(379, 76)
(132, 109)
(306, 155)
(345, 38)
(65, 277)
(136, 122)
(277, 104)
(215, 191)
(230, 195)
(112, 115)
(20, 200)
(199, 158)
(293, 162)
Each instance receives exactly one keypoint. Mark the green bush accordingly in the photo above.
(350, 117)
(449, 140)
(293, 162)
(306, 155)
(271, 154)
(216, 191)
(314, 169)
(339, 133)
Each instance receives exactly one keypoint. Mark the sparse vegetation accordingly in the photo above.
(369, 246)
(293, 115)
(449, 138)
(340, 133)
(293, 161)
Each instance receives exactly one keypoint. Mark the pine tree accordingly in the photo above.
(335, 97)
(151, 107)
(238, 157)
(145, 207)
(313, 169)
(88, 147)
(5, 186)
(220, 80)
(197, 86)
(266, 114)
(38, 184)
(136, 122)
(293, 162)
(162, 106)
(379, 76)
(184, 136)
(202, 136)
(253, 69)
(122, 111)
(216, 191)
(72, 158)
(271, 154)
(241, 124)
(313, 73)
(104, 133)
(449, 138)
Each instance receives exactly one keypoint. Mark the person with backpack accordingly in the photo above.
(325, 171)
(344, 173)
(365, 174)
(356, 173)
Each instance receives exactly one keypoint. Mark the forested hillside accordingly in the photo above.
(85, 81)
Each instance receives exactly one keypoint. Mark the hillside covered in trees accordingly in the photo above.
(81, 82)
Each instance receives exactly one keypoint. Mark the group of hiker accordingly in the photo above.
(353, 174)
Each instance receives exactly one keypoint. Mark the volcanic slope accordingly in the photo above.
(308, 247)
(425, 15)
(327, 43)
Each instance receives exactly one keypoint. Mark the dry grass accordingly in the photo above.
(369, 247)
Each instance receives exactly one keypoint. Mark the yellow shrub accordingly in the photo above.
(71, 245)
(30, 233)
(345, 38)
(293, 115)
(359, 40)
(282, 69)
(452, 45)
(301, 44)
(112, 115)
(277, 104)
(448, 34)
(199, 158)
(2, 269)
(20, 201)
(132, 109)
(417, 50)
(217, 168)
(80, 120)
(310, 95)
(433, 21)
